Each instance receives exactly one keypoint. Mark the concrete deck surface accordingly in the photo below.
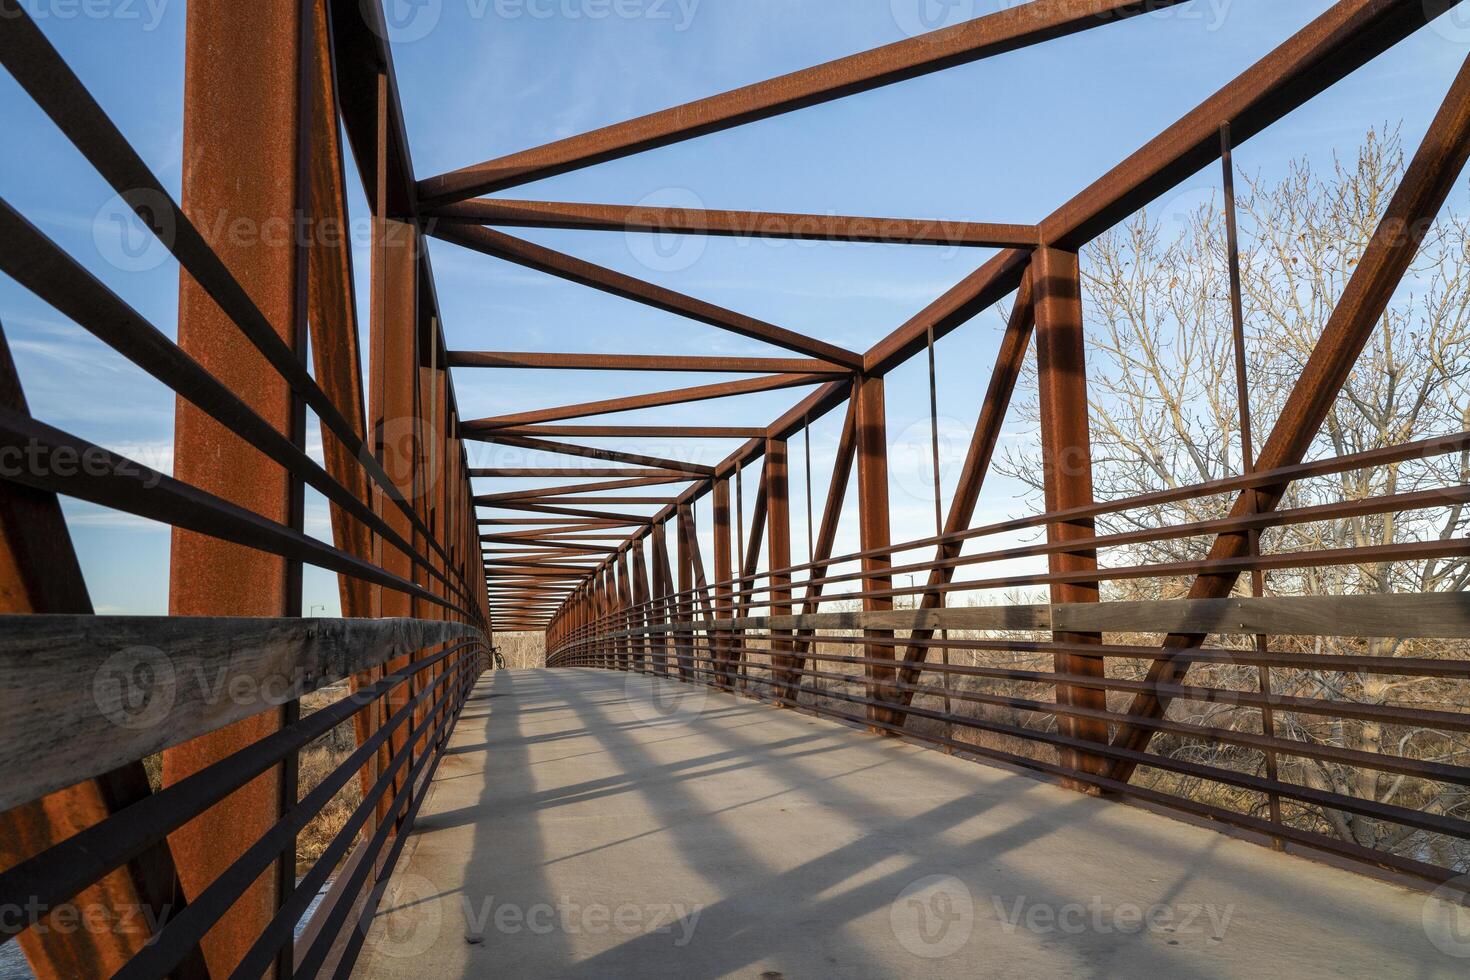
(587, 824)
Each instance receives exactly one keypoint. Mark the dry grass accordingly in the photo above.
(522, 651)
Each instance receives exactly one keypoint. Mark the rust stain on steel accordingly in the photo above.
(983, 37)
(738, 224)
(872, 466)
(678, 396)
(777, 515)
(554, 263)
(241, 131)
(1426, 185)
(1066, 452)
(39, 574)
(642, 362)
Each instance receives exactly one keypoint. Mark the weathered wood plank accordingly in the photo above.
(89, 693)
(1442, 616)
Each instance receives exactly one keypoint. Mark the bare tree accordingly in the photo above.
(1164, 414)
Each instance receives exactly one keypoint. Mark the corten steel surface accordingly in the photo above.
(272, 88)
(247, 106)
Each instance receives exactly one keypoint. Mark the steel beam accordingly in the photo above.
(40, 575)
(777, 497)
(1010, 29)
(641, 362)
(724, 573)
(1066, 452)
(553, 263)
(649, 219)
(658, 399)
(588, 452)
(874, 534)
(639, 431)
(1426, 184)
(243, 146)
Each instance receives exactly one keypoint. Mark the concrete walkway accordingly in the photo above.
(584, 826)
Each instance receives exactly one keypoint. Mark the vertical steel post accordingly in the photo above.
(874, 534)
(625, 611)
(243, 133)
(1066, 450)
(684, 601)
(642, 597)
(663, 588)
(723, 574)
(778, 561)
(393, 399)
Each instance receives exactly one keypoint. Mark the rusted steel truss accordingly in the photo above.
(272, 88)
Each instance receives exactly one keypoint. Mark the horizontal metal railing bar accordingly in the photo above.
(1387, 762)
(1385, 714)
(1443, 615)
(59, 873)
(122, 484)
(1333, 662)
(1421, 449)
(182, 933)
(1317, 558)
(282, 927)
(52, 702)
(310, 963)
(60, 94)
(1336, 662)
(35, 262)
(1451, 496)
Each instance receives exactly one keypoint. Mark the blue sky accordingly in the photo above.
(1008, 139)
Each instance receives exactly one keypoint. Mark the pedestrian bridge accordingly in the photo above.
(1201, 718)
